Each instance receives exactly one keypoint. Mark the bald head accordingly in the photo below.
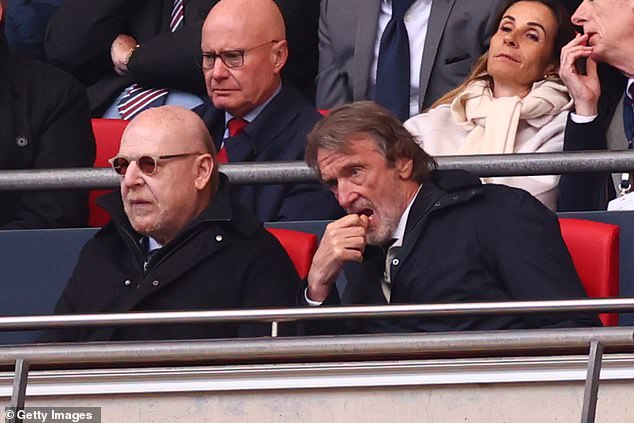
(254, 29)
(169, 127)
(260, 19)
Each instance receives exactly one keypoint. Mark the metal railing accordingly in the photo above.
(291, 172)
(590, 305)
(321, 348)
(330, 347)
(324, 348)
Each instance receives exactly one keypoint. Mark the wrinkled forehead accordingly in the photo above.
(354, 151)
(148, 139)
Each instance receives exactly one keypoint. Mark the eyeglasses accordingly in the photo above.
(146, 163)
(231, 58)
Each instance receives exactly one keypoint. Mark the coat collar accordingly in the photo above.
(443, 190)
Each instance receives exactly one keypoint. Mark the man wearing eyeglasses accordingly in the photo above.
(176, 240)
(257, 116)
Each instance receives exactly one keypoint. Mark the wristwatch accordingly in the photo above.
(128, 55)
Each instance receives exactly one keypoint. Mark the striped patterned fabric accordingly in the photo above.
(136, 98)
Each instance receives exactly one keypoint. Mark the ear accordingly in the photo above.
(279, 55)
(404, 166)
(203, 168)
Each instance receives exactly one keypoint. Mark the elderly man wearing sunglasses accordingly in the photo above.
(176, 241)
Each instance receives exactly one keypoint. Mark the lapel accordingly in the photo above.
(416, 222)
(367, 22)
(616, 130)
(7, 121)
(616, 136)
(438, 16)
(364, 281)
(149, 19)
(215, 121)
(267, 129)
(445, 189)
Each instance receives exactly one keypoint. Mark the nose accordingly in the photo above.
(133, 175)
(579, 18)
(345, 194)
(509, 39)
(219, 71)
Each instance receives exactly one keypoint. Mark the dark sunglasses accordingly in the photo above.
(146, 163)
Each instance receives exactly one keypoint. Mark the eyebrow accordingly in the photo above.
(536, 24)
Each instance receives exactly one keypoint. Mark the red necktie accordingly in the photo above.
(235, 127)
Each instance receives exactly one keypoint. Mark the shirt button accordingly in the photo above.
(437, 204)
(218, 237)
(127, 282)
(155, 283)
(395, 262)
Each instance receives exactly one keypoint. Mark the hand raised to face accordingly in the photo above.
(344, 240)
(585, 90)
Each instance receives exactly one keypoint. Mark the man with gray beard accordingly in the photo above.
(414, 234)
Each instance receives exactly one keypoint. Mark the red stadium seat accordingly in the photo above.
(107, 137)
(300, 247)
(594, 248)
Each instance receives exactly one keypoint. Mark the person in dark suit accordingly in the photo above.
(112, 44)
(176, 241)
(414, 234)
(602, 93)
(244, 51)
(445, 37)
(44, 124)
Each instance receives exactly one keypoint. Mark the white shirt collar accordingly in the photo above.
(628, 91)
(152, 244)
(399, 232)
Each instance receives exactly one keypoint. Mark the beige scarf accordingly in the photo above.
(492, 122)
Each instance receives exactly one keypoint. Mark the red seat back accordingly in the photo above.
(107, 137)
(594, 248)
(300, 247)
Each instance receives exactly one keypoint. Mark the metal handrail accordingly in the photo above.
(297, 171)
(595, 305)
(322, 348)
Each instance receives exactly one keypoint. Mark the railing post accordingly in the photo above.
(591, 391)
(274, 329)
(19, 388)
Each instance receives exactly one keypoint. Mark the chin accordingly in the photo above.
(142, 225)
(379, 236)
